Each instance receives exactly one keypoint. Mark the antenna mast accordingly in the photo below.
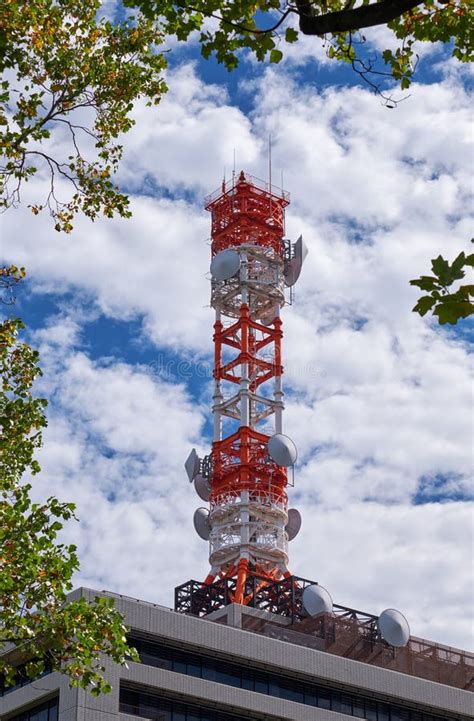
(245, 477)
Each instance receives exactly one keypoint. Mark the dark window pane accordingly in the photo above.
(193, 668)
(335, 701)
(399, 714)
(311, 698)
(261, 684)
(248, 683)
(224, 674)
(324, 699)
(209, 671)
(179, 666)
(358, 708)
(179, 716)
(371, 711)
(291, 693)
(346, 705)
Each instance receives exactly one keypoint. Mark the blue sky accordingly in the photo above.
(377, 400)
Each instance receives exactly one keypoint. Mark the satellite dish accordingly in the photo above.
(293, 267)
(294, 523)
(225, 264)
(192, 465)
(282, 450)
(201, 523)
(393, 627)
(202, 487)
(316, 600)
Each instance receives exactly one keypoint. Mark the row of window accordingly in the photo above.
(45, 712)
(157, 654)
(149, 706)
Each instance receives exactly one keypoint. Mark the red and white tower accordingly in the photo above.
(245, 477)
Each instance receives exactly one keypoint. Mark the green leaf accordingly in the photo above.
(426, 282)
(291, 35)
(275, 56)
(424, 304)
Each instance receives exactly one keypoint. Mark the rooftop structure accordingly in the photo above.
(240, 664)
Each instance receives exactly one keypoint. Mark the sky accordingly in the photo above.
(378, 400)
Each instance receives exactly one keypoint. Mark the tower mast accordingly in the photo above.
(245, 477)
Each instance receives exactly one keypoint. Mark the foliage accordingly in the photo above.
(67, 70)
(264, 27)
(35, 569)
(9, 278)
(448, 305)
(71, 77)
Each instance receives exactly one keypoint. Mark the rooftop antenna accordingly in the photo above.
(233, 171)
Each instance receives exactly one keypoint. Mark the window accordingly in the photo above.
(244, 676)
(47, 711)
(148, 705)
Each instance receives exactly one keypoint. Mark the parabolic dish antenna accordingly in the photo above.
(282, 450)
(316, 600)
(192, 465)
(393, 627)
(294, 523)
(202, 487)
(225, 264)
(201, 523)
(293, 267)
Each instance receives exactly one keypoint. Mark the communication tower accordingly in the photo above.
(244, 480)
(245, 477)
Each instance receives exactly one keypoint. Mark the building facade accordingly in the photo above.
(229, 666)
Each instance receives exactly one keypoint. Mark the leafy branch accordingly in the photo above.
(38, 627)
(447, 304)
(81, 75)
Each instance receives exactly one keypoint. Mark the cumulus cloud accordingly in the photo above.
(378, 401)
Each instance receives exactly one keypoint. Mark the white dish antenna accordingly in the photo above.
(393, 627)
(225, 264)
(294, 523)
(201, 523)
(282, 450)
(192, 465)
(293, 267)
(316, 600)
(202, 487)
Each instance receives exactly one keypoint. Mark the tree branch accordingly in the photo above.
(364, 16)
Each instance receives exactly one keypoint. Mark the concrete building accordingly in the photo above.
(244, 663)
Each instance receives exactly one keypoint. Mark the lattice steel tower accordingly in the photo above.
(245, 477)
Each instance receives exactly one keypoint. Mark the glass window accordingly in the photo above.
(346, 705)
(371, 711)
(291, 693)
(261, 683)
(209, 671)
(179, 666)
(324, 699)
(193, 667)
(399, 714)
(241, 675)
(41, 715)
(358, 708)
(226, 674)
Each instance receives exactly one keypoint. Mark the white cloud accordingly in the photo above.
(379, 398)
